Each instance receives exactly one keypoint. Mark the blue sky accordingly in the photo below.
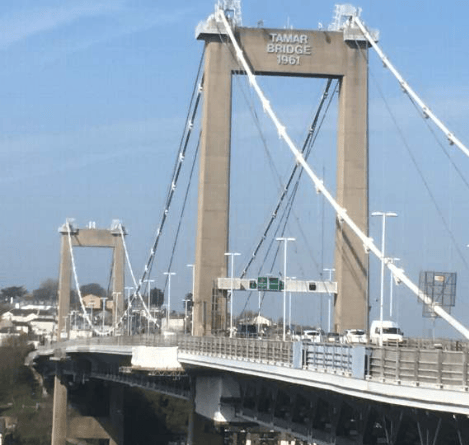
(94, 96)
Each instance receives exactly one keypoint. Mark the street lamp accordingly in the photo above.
(231, 255)
(384, 215)
(169, 297)
(393, 261)
(149, 303)
(115, 306)
(104, 308)
(285, 242)
(330, 299)
(289, 302)
(129, 290)
(91, 304)
(193, 290)
(186, 300)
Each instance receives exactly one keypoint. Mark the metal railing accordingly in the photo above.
(124, 340)
(258, 351)
(440, 365)
(420, 367)
(336, 358)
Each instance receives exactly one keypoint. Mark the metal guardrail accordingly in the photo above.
(421, 367)
(335, 358)
(258, 351)
(124, 340)
(438, 365)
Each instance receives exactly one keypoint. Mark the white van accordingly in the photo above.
(391, 332)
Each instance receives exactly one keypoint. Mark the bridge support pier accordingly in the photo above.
(80, 423)
(59, 412)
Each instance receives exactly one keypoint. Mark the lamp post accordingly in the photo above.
(329, 316)
(129, 290)
(393, 261)
(185, 314)
(384, 215)
(104, 308)
(149, 303)
(193, 290)
(91, 304)
(169, 297)
(231, 255)
(116, 305)
(289, 302)
(285, 242)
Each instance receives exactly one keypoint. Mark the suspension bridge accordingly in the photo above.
(415, 392)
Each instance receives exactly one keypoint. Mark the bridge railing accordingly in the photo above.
(420, 367)
(337, 358)
(258, 351)
(124, 340)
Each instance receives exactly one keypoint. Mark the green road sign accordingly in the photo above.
(262, 283)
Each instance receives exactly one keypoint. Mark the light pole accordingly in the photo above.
(231, 255)
(92, 306)
(384, 215)
(129, 290)
(185, 314)
(329, 317)
(149, 303)
(289, 302)
(115, 299)
(169, 297)
(193, 290)
(393, 261)
(285, 242)
(104, 308)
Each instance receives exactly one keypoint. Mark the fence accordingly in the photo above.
(426, 367)
(259, 351)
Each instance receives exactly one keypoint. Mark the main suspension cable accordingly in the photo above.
(406, 87)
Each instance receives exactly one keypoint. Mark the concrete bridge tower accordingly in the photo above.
(341, 54)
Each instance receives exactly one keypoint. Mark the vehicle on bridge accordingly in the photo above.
(333, 337)
(354, 336)
(391, 333)
(313, 335)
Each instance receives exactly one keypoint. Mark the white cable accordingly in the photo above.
(145, 307)
(425, 109)
(340, 211)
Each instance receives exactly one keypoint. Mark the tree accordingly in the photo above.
(12, 292)
(94, 289)
(47, 290)
(156, 297)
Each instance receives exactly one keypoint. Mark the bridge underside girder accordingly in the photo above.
(324, 417)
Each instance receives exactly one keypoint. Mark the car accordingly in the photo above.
(333, 337)
(355, 336)
(313, 335)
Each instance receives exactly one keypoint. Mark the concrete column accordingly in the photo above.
(214, 178)
(351, 260)
(65, 270)
(116, 414)
(59, 413)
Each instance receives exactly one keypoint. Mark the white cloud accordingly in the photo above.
(17, 26)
